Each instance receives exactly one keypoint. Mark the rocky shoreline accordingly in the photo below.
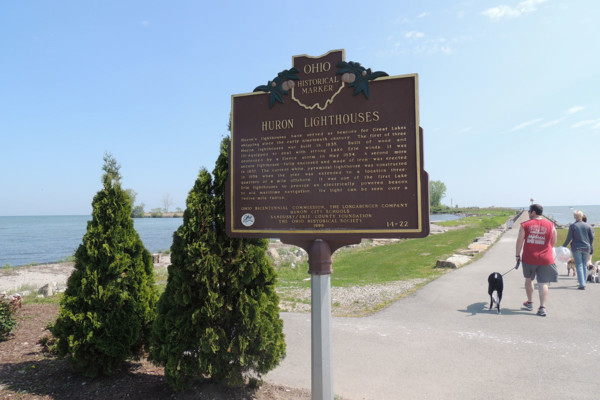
(48, 279)
(27, 279)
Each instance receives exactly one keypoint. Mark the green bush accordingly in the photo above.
(156, 213)
(8, 309)
(138, 211)
(107, 311)
(218, 317)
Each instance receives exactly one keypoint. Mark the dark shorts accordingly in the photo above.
(544, 273)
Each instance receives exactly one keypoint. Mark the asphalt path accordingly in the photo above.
(442, 342)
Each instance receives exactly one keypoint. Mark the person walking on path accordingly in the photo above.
(590, 261)
(581, 237)
(536, 238)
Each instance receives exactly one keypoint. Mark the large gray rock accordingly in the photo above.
(47, 290)
(273, 253)
(445, 264)
(459, 260)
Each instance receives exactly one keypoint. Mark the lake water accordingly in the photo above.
(27, 240)
(564, 214)
(443, 217)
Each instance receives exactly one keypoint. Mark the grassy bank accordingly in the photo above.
(405, 260)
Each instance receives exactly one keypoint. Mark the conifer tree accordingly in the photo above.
(107, 311)
(218, 318)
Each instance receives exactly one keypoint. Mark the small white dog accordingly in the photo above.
(593, 272)
(571, 267)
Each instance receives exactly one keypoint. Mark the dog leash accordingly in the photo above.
(515, 267)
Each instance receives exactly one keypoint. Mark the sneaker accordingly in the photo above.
(541, 311)
(581, 288)
(528, 305)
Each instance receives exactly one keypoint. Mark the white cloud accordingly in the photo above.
(570, 111)
(587, 122)
(529, 5)
(423, 15)
(551, 123)
(596, 126)
(501, 12)
(414, 35)
(433, 47)
(145, 24)
(575, 109)
(526, 124)
(504, 11)
(401, 20)
(419, 42)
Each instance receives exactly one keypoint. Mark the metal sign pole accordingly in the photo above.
(319, 260)
(321, 339)
(320, 268)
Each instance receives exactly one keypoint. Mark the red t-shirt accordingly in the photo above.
(537, 249)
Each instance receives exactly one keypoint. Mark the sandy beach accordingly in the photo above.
(32, 277)
(19, 279)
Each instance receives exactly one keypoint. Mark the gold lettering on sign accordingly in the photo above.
(319, 159)
(277, 124)
(317, 85)
(341, 119)
(317, 68)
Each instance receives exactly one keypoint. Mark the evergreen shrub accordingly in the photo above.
(218, 318)
(107, 311)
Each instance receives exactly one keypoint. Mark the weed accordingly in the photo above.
(8, 309)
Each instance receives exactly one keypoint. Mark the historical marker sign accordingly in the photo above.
(328, 149)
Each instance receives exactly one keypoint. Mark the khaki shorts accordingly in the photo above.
(544, 273)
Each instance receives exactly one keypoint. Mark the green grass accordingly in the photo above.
(25, 288)
(408, 259)
(293, 277)
(562, 236)
(161, 275)
(488, 217)
(33, 299)
(67, 259)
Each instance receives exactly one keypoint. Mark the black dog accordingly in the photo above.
(495, 283)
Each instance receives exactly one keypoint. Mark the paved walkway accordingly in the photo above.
(443, 343)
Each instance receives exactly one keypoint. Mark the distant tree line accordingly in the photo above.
(138, 211)
(437, 191)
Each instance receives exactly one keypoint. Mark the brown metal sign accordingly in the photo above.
(328, 149)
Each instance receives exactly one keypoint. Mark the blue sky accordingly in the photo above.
(509, 91)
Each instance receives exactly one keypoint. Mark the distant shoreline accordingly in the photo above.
(45, 239)
(163, 215)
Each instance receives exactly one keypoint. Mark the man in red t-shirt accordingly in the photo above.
(536, 239)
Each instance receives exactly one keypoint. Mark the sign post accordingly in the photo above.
(325, 154)
(320, 268)
(321, 335)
